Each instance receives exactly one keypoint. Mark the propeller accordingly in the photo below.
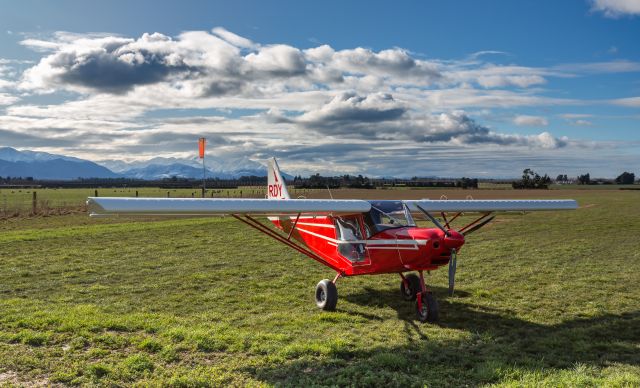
(452, 271)
(454, 253)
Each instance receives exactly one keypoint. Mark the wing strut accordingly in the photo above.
(252, 222)
(484, 215)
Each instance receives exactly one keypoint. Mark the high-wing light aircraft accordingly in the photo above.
(352, 237)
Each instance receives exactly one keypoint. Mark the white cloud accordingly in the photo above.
(616, 8)
(317, 108)
(530, 121)
(277, 60)
(633, 102)
(7, 99)
(234, 39)
(575, 115)
(583, 123)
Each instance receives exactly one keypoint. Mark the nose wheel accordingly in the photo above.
(413, 288)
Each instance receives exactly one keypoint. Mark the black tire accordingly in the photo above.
(429, 311)
(409, 294)
(326, 295)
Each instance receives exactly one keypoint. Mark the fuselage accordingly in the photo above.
(356, 245)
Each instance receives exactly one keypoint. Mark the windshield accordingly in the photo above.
(386, 215)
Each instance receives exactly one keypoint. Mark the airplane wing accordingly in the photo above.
(493, 205)
(103, 206)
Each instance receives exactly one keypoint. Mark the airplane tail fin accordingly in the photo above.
(276, 189)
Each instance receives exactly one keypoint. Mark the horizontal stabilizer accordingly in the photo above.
(493, 205)
(219, 206)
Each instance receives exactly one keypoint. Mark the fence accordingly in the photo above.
(16, 202)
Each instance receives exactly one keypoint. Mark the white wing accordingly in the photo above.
(98, 206)
(480, 205)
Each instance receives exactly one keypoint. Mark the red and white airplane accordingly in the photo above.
(352, 237)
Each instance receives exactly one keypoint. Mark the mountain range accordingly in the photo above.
(46, 166)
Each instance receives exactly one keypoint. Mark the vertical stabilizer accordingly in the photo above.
(276, 188)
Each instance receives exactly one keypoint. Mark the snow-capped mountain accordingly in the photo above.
(42, 165)
(13, 155)
(159, 167)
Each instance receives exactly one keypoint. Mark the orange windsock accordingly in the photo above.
(201, 142)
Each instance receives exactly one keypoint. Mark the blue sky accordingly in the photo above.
(404, 88)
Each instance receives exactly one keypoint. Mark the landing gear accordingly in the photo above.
(427, 307)
(413, 288)
(410, 287)
(326, 295)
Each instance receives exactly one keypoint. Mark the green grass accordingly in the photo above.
(543, 299)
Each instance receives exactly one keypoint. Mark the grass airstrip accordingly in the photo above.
(542, 299)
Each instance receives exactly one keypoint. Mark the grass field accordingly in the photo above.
(542, 299)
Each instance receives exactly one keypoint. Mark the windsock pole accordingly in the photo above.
(201, 144)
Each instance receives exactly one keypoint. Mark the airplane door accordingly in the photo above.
(350, 241)
(406, 247)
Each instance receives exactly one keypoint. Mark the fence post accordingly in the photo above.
(34, 202)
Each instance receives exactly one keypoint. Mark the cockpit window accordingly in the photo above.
(348, 229)
(386, 215)
(349, 238)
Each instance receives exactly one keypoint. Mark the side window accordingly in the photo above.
(348, 229)
(349, 236)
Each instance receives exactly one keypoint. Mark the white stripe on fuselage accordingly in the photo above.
(371, 244)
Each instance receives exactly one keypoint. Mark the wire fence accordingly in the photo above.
(16, 202)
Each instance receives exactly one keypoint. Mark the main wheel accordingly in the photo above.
(409, 293)
(428, 312)
(326, 295)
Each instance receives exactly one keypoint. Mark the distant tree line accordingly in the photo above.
(318, 181)
(530, 180)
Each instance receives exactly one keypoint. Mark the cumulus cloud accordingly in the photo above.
(530, 121)
(458, 128)
(381, 117)
(116, 95)
(349, 112)
(616, 8)
(279, 60)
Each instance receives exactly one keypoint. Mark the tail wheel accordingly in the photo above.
(427, 307)
(410, 287)
(326, 295)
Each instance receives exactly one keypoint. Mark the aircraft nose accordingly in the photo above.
(454, 240)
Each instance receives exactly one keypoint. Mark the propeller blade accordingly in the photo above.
(433, 219)
(478, 226)
(452, 271)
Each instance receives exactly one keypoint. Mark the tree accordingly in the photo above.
(467, 183)
(532, 180)
(584, 179)
(626, 178)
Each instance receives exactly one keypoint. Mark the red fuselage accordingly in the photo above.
(396, 249)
